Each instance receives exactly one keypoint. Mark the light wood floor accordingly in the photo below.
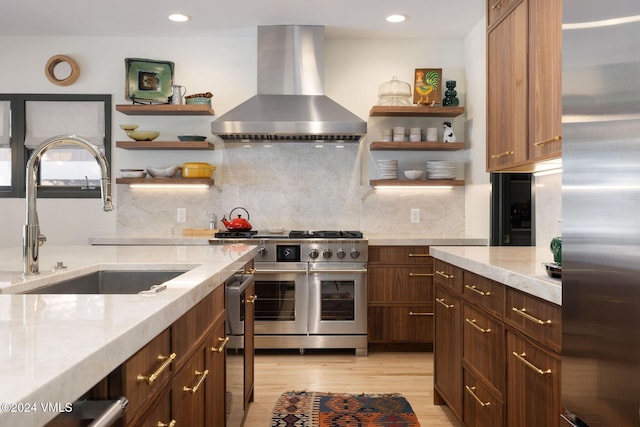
(408, 373)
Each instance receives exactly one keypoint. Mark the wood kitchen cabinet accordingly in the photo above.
(400, 296)
(496, 352)
(524, 72)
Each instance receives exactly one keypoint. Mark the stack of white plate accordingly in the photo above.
(387, 169)
(441, 169)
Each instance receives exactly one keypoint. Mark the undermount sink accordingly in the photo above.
(111, 282)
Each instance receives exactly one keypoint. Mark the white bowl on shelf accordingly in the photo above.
(166, 172)
(413, 174)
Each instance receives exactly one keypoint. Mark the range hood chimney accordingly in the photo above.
(290, 104)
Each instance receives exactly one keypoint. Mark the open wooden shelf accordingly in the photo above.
(416, 146)
(415, 111)
(165, 145)
(417, 182)
(172, 181)
(165, 110)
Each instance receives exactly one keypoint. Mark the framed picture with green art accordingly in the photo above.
(427, 86)
(148, 81)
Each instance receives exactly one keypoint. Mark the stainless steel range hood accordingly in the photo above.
(290, 104)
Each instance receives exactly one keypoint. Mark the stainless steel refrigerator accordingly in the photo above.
(601, 213)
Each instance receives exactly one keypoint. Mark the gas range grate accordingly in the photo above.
(236, 234)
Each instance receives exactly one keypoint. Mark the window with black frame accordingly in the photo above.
(28, 120)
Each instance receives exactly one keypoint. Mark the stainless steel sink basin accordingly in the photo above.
(111, 282)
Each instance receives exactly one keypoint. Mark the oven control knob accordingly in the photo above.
(341, 253)
(313, 253)
(262, 251)
(354, 252)
(327, 253)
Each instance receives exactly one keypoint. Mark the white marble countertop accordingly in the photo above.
(148, 239)
(520, 267)
(53, 348)
(461, 241)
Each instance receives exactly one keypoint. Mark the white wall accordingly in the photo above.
(225, 65)
(478, 187)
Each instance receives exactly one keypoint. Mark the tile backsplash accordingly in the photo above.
(295, 186)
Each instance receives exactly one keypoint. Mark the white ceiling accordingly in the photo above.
(341, 18)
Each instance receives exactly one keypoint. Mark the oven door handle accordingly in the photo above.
(277, 271)
(345, 271)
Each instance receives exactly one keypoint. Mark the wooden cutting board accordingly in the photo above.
(199, 232)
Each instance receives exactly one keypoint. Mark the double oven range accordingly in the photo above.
(311, 290)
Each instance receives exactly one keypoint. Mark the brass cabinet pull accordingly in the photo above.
(195, 388)
(443, 274)
(411, 313)
(441, 301)
(472, 322)
(151, 378)
(522, 356)
(419, 255)
(506, 153)
(471, 391)
(171, 424)
(497, 5)
(420, 274)
(223, 343)
(251, 299)
(478, 291)
(523, 312)
(547, 141)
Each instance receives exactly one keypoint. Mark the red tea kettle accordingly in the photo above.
(237, 224)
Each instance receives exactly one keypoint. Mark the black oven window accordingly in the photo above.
(277, 300)
(337, 300)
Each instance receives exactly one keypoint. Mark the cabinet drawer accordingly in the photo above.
(483, 345)
(401, 284)
(448, 275)
(406, 324)
(496, 9)
(143, 373)
(159, 414)
(484, 292)
(541, 320)
(482, 407)
(399, 255)
(188, 392)
(533, 384)
(194, 324)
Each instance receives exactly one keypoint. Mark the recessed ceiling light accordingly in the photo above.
(179, 17)
(396, 18)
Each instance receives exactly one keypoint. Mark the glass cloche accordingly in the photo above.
(394, 92)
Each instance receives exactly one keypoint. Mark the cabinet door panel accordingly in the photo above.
(410, 324)
(447, 348)
(482, 408)
(187, 404)
(215, 387)
(484, 293)
(507, 91)
(484, 345)
(533, 385)
(160, 414)
(399, 255)
(545, 79)
(539, 319)
(411, 285)
(448, 275)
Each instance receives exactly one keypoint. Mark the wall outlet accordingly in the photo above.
(181, 215)
(415, 216)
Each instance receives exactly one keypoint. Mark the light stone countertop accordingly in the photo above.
(520, 267)
(53, 348)
(149, 239)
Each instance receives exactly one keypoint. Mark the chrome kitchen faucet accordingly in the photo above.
(31, 238)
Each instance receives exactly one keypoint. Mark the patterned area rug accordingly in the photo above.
(315, 409)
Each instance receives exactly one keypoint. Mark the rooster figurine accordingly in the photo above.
(425, 84)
